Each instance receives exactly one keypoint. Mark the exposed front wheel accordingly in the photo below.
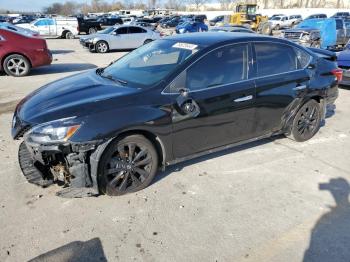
(127, 165)
(306, 122)
(16, 65)
(102, 47)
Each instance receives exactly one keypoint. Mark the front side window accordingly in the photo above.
(41, 22)
(222, 66)
(122, 30)
(275, 58)
(50, 22)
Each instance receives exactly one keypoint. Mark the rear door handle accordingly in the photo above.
(242, 99)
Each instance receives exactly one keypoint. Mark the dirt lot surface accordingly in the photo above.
(274, 200)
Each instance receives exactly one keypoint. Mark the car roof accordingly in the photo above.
(212, 38)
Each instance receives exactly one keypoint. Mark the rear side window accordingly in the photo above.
(222, 66)
(136, 30)
(275, 58)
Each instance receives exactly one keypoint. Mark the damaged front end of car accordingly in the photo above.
(47, 156)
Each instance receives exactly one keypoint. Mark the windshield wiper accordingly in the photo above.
(110, 77)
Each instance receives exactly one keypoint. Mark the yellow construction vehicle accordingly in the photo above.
(246, 16)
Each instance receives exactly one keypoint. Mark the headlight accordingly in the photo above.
(182, 30)
(53, 132)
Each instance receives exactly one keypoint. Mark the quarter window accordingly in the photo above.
(275, 58)
(222, 66)
(303, 58)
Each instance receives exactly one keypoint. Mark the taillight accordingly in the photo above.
(338, 73)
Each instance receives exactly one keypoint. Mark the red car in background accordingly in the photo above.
(21, 50)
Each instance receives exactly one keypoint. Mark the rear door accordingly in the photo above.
(281, 77)
(221, 94)
(136, 36)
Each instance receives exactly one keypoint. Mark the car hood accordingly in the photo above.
(77, 95)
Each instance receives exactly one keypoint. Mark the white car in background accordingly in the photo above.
(294, 20)
(118, 38)
(65, 27)
(278, 22)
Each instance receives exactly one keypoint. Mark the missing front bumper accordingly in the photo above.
(40, 168)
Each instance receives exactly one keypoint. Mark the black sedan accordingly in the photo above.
(110, 130)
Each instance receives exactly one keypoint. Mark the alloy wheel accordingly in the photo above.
(307, 122)
(102, 47)
(17, 66)
(128, 168)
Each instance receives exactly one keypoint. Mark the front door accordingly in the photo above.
(216, 106)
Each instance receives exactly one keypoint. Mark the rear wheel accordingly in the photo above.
(69, 35)
(102, 47)
(306, 122)
(92, 30)
(16, 65)
(127, 165)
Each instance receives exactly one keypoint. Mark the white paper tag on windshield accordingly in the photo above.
(185, 46)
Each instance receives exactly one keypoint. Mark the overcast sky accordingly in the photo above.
(32, 5)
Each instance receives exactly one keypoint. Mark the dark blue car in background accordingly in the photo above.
(343, 60)
(191, 27)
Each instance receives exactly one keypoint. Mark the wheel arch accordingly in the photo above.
(97, 154)
(15, 53)
(289, 120)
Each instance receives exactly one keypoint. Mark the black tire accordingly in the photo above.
(277, 27)
(69, 35)
(265, 28)
(127, 165)
(147, 41)
(102, 47)
(92, 30)
(16, 65)
(307, 121)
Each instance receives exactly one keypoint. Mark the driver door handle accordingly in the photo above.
(242, 99)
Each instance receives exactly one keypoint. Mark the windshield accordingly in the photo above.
(150, 63)
(276, 18)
